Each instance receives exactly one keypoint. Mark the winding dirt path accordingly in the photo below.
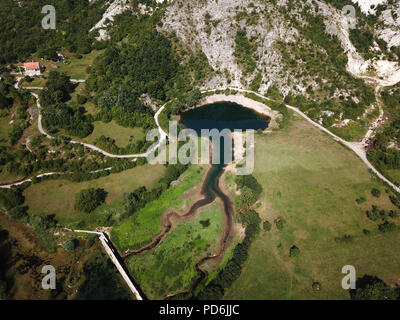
(162, 133)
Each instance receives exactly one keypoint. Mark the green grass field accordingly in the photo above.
(77, 67)
(170, 268)
(122, 136)
(312, 182)
(142, 226)
(37, 82)
(58, 196)
(352, 132)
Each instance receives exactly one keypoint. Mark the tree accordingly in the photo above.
(89, 199)
(372, 288)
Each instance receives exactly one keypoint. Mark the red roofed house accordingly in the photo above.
(32, 69)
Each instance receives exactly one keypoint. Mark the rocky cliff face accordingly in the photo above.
(297, 47)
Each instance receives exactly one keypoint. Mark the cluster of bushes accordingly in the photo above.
(376, 214)
(89, 199)
(122, 104)
(250, 190)
(386, 226)
(108, 144)
(56, 113)
(228, 274)
(363, 41)
(244, 52)
(141, 196)
(345, 238)
(9, 95)
(372, 288)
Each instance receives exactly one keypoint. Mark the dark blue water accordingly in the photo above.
(223, 115)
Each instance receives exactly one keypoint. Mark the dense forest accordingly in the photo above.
(22, 33)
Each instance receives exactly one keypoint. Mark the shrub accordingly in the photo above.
(345, 238)
(81, 99)
(316, 286)
(361, 200)
(294, 251)
(387, 227)
(366, 232)
(393, 214)
(279, 222)
(373, 214)
(267, 225)
(375, 192)
(70, 245)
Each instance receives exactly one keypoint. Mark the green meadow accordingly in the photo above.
(142, 226)
(312, 183)
(58, 196)
(170, 267)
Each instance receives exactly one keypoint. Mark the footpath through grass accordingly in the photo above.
(312, 183)
(170, 267)
(142, 226)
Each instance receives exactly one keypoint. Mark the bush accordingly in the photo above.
(70, 245)
(11, 198)
(375, 192)
(393, 214)
(366, 232)
(279, 222)
(267, 225)
(316, 286)
(81, 99)
(89, 199)
(387, 227)
(294, 252)
(361, 200)
(374, 214)
(345, 238)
